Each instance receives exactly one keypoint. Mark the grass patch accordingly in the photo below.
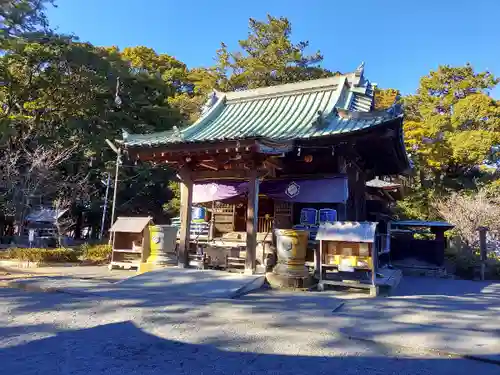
(59, 255)
(86, 252)
(96, 253)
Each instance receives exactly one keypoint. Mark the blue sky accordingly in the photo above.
(399, 40)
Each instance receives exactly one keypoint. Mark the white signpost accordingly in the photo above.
(31, 237)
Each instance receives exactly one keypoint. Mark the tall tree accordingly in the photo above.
(267, 57)
(452, 125)
(59, 94)
(21, 16)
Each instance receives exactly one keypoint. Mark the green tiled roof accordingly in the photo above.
(294, 111)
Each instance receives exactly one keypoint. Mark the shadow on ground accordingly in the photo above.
(425, 313)
(122, 348)
(459, 304)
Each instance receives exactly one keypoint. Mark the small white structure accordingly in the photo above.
(348, 250)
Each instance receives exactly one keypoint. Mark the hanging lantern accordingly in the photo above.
(308, 158)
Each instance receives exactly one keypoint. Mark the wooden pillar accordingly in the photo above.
(352, 174)
(342, 207)
(186, 211)
(252, 216)
(374, 287)
(211, 233)
(361, 197)
(483, 248)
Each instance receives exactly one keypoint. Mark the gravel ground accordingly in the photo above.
(82, 272)
(45, 333)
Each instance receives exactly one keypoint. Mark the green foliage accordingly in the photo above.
(417, 205)
(173, 206)
(96, 253)
(463, 261)
(18, 17)
(466, 263)
(59, 255)
(59, 95)
(385, 98)
(492, 189)
(267, 57)
(451, 123)
(452, 132)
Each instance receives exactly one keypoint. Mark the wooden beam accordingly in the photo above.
(186, 209)
(229, 173)
(194, 148)
(209, 165)
(252, 216)
(275, 162)
(225, 174)
(270, 168)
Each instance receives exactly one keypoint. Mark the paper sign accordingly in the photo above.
(31, 235)
(345, 265)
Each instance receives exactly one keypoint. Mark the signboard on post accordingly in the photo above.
(31, 237)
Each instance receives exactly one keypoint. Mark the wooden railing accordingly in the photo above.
(264, 224)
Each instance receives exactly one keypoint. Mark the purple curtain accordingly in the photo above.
(217, 191)
(325, 190)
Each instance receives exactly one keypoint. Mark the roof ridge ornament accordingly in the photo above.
(360, 69)
(319, 120)
(125, 134)
(177, 134)
(212, 99)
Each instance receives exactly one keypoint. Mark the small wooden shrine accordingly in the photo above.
(268, 153)
(131, 243)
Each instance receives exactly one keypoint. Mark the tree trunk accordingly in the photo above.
(437, 180)
(78, 225)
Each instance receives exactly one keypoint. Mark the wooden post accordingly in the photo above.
(352, 200)
(361, 197)
(342, 207)
(374, 287)
(186, 211)
(483, 249)
(320, 266)
(252, 217)
(211, 233)
(317, 258)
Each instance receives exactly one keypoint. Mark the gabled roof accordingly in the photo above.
(420, 223)
(303, 110)
(347, 231)
(130, 224)
(381, 184)
(45, 215)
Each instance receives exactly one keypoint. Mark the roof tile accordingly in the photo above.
(281, 112)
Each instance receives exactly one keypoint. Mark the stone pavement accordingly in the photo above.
(451, 317)
(455, 316)
(162, 284)
(264, 333)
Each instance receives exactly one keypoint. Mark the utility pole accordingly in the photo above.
(118, 151)
(105, 207)
(118, 162)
